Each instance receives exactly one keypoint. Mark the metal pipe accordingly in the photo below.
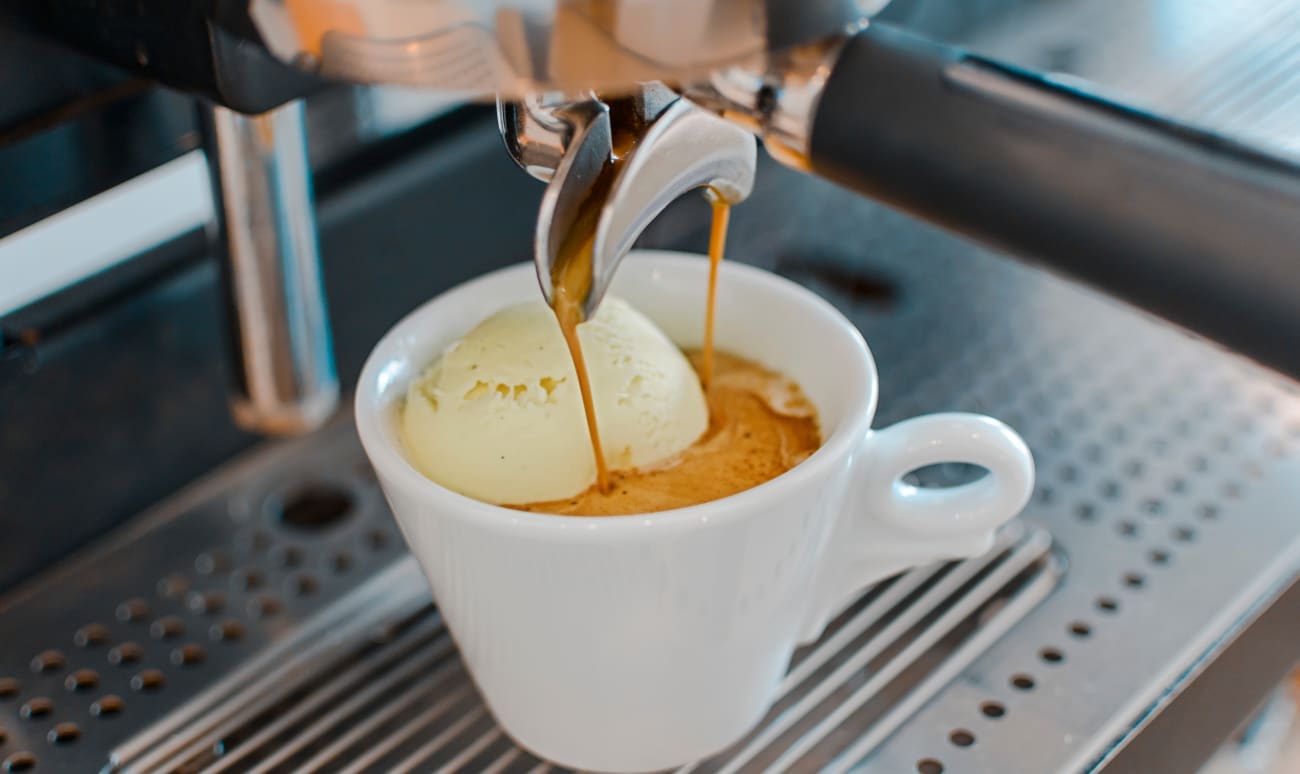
(265, 229)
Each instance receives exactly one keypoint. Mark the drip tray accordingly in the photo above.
(402, 701)
(890, 652)
(279, 628)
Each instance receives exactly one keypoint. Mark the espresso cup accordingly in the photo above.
(643, 642)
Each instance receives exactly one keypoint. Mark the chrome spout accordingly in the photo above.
(680, 147)
(686, 148)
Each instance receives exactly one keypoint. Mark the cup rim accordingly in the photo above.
(395, 469)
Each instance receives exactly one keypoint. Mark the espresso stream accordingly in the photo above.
(567, 305)
(717, 246)
(571, 281)
(760, 425)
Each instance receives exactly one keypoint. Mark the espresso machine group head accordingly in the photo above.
(1185, 223)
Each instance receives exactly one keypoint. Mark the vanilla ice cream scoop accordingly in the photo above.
(499, 416)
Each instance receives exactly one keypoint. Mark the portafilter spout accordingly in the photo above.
(615, 177)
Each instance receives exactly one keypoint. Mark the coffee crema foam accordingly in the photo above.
(760, 426)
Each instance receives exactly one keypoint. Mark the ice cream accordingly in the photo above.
(499, 416)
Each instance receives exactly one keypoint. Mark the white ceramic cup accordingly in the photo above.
(638, 643)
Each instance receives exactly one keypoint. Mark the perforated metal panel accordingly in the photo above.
(1167, 471)
(402, 700)
(119, 641)
(254, 645)
(1168, 476)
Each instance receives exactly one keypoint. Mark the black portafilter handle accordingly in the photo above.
(1184, 223)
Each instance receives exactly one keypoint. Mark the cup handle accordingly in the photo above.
(888, 525)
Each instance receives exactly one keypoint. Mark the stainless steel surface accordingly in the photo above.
(678, 150)
(1232, 67)
(284, 366)
(412, 707)
(1169, 474)
(778, 104)
(242, 572)
(841, 699)
(686, 148)
(353, 670)
(1168, 477)
(585, 164)
(538, 129)
(536, 134)
(516, 47)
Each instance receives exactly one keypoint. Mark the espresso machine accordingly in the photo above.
(266, 617)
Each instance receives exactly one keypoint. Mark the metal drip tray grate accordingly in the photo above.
(115, 652)
(403, 702)
(270, 654)
(890, 652)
